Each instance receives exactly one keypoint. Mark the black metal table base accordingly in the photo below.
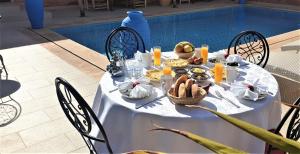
(8, 114)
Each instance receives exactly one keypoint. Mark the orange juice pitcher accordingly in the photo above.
(157, 55)
(218, 69)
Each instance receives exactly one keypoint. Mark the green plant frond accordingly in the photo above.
(209, 144)
(277, 141)
(144, 152)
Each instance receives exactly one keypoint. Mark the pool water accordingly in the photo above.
(213, 27)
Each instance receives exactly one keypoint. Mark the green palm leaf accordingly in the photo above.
(209, 144)
(277, 141)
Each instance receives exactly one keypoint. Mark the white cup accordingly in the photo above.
(146, 59)
(231, 74)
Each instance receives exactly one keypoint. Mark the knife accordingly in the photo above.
(155, 99)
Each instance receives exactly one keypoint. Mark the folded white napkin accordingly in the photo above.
(141, 91)
(234, 58)
(220, 55)
(138, 56)
(250, 89)
(139, 88)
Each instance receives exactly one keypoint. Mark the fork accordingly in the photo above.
(228, 100)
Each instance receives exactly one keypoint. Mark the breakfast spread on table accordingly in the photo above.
(186, 80)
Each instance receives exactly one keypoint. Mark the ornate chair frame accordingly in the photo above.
(253, 44)
(80, 116)
(139, 43)
(293, 130)
(3, 68)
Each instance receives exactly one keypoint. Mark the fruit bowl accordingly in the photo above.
(184, 55)
(184, 49)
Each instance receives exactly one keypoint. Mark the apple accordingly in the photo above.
(188, 48)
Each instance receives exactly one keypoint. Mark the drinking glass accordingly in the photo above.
(138, 70)
(219, 68)
(129, 68)
(204, 52)
(157, 55)
(166, 80)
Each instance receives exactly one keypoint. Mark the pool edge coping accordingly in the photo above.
(100, 61)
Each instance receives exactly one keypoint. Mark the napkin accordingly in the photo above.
(249, 89)
(220, 55)
(138, 56)
(139, 88)
(141, 91)
(234, 58)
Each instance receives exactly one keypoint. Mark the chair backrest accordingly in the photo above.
(252, 46)
(2, 67)
(124, 41)
(79, 113)
(293, 130)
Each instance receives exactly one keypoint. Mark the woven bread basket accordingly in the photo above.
(187, 100)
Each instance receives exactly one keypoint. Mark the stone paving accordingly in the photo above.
(35, 62)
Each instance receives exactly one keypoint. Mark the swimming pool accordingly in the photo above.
(213, 27)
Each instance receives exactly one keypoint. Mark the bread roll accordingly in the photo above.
(195, 91)
(188, 87)
(182, 91)
(181, 79)
(172, 90)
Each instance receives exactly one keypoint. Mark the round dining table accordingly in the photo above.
(128, 128)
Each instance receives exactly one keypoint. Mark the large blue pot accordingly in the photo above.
(35, 13)
(137, 21)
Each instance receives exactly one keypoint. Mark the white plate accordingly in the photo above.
(260, 97)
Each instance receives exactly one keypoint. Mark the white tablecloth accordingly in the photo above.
(127, 127)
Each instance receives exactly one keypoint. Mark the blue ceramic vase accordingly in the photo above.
(35, 13)
(242, 1)
(137, 21)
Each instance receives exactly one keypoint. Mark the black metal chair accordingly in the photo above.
(124, 41)
(252, 46)
(2, 67)
(79, 114)
(293, 130)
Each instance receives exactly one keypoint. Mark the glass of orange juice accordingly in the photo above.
(157, 55)
(218, 69)
(167, 70)
(204, 53)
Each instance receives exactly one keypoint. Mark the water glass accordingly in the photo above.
(231, 74)
(137, 70)
(129, 69)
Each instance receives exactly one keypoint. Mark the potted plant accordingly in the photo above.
(35, 13)
(165, 2)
